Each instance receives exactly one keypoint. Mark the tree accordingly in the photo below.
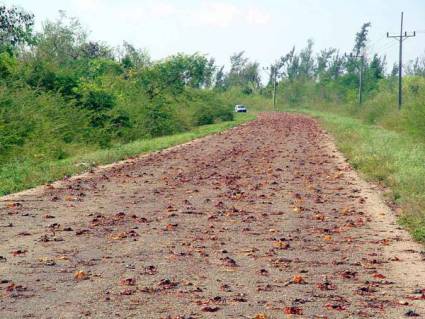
(220, 79)
(375, 71)
(394, 70)
(251, 75)
(95, 50)
(199, 70)
(306, 66)
(354, 62)
(243, 73)
(237, 62)
(62, 41)
(416, 67)
(8, 64)
(131, 57)
(173, 74)
(281, 66)
(292, 69)
(15, 27)
(336, 67)
(377, 67)
(324, 63)
(210, 70)
(361, 38)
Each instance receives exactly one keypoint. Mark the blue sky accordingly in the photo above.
(265, 29)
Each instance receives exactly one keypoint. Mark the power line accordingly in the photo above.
(387, 47)
(375, 43)
(401, 38)
(383, 48)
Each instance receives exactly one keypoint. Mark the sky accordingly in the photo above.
(264, 29)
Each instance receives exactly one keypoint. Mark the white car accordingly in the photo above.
(240, 108)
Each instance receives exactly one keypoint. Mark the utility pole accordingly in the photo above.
(401, 38)
(274, 88)
(273, 73)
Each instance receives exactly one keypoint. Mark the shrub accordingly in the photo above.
(159, 119)
(42, 76)
(225, 114)
(97, 100)
(414, 109)
(8, 65)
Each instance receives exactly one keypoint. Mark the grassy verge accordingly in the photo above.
(23, 175)
(393, 159)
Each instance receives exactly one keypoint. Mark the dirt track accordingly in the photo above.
(263, 221)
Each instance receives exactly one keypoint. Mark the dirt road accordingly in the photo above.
(263, 221)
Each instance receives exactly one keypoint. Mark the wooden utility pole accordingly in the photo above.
(401, 38)
(274, 89)
(273, 74)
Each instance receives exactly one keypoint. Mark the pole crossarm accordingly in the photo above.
(404, 36)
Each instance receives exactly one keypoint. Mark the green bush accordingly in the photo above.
(159, 119)
(42, 76)
(210, 108)
(8, 65)
(414, 110)
(204, 116)
(97, 100)
(33, 123)
(225, 114)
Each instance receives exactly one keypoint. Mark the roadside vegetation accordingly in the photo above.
(64, 97)
(386, 145)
